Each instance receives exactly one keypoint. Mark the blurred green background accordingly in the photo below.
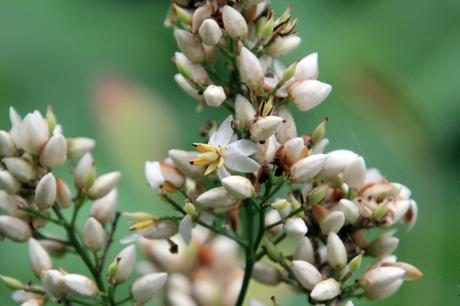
(394, 66)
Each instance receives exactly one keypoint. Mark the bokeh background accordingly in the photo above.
(394, 65)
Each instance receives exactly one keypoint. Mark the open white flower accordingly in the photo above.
(224, 151)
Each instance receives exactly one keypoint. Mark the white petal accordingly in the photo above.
(185, 228)
(224, 134)
(242, 147)
(241, 163)
(222, 173)
(153, 175)
(131, 238)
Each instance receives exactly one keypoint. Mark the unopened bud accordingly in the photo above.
(8, 182)
(214, 95)
(104, 184)
(105, 208)
(288, 129)
(306, 169)
(126, 261)
(77, 147)
(38, 257)
(272, 251)
(53, 282)
(306, 273)
(336, 252)
(266, 274)
(210, 32)
(355, 173)
(217, 197)
(7, 145)
(46, 191)
(80, 285)
(333, 222)
(84, 172)
(161, 230)
(234, 23)
(190, 209)
(280, 204)
(265, 127)
(326, 290)
(11, 283)
(251, 71)
(145, 287)
(239, 187)
(63, 195)
(244, 111)
(355, 263)
(383, 245)
(335, 162)
(267, 28)
(295, 227)
(20, 169)
(317, 195)
(283, 45)
(54, 154)
(305, 251)
(350, 210)
(185, 228)
(319, 131)
(93, 234)
(190, 70)
(308, 94)
(182, 15)
(15, 228)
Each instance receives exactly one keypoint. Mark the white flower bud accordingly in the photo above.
(283, 45)
(266, 274)
(295, 227)
(54, 154)
(234, 23)
(8, 182)
(20, 169)
(105, 208)
(185, 228)
(326, 290)
(210, 32)
(54, 248)
(80, 285)
(383, 245)
(264, 127)
(214, 95)
(217, 197)
(239, 187)
(7, 145)
(306, 273)
(21, 296)
(251, 71)
(355, 173)
(305, 251)
(288, 129)
(336, 252)
(15, 228)
(333, 222)
(307, 68)
(272, 217)
(93, 234)
(145, 287)
(185, 86)
(33, 133)
(244, 111)
(104, 184)
(189, 45)
(126, 261)
(308, 94)
(77, 147)
(84, 171)
(198, 73)
(179, 298)
(46, 191)
(38, 257)
(350, 210)
(63, 195)
(35, 301)
(161, 230)
(267, 151)
(53, 282)
(336, 161)
(381, 293)
(293, 150)
(307, 168)
(381, 277)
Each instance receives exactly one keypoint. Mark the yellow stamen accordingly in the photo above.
(168, 187)
(142, 225)
(204, 147)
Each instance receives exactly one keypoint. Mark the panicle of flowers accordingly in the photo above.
(257, 180)
(33, 195)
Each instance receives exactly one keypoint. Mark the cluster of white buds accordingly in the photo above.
(31, 196)
(230, 183)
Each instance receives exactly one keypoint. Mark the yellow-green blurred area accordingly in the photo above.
(394, 66)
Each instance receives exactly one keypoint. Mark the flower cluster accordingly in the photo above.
(32, 196)
(231, 182)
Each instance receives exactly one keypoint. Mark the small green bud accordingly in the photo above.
(182, 15)
(355, 263)
(272, 251)
(51, 118)
(316, 195)
(319, 131)
(288, 73)
(113, 269)
(190, 209)
(381, 211)
(280, 204)
(267, 29)
(184, 71)
(11, 283)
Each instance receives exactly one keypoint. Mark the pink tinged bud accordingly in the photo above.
(244, 111)
(63, 195)
(80, 285)
(333, 222)
(20, 169)
(307, 168)
(335, 162)
(264, 127)
(33, 133)
(217, 197)
(210, 32)
(288, 129)
(15, 229)
(306, 273)
(104, 184)
(305, 251)
(46, 191)
(251, 71)
(8, 182)
(336, 252)
(126, 263)
(308, 94)
(77, 147)
(181, 160)
(185, 228)
(239, 187)
(38, 257)
(234, 23)
(307, 68)
(84, 171)
(383, 245)
(295, 227)
(104, 209)
(145, 287)
(197, 72)
(93, 234)
(283, 45)
(350, 210)
(355, 173)
(266, 274)
(54, 154)
(161, 230)
(7, 145)
(214, 95)
(189, 45)
(53, 282)
(326, 290)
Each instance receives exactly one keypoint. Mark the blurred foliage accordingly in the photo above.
(105, 67)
